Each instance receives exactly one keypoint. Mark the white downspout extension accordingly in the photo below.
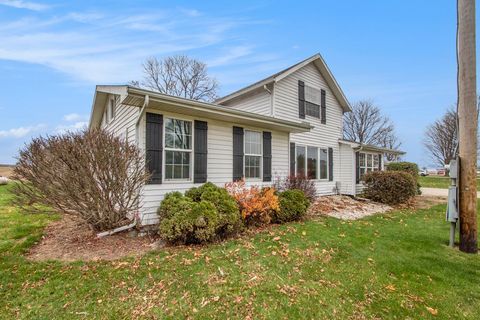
(137, 123)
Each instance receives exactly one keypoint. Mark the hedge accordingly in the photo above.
(390, 187)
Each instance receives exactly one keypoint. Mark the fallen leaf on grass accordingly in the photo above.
(433, 311)
(390, 287)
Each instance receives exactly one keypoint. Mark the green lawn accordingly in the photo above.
(392, 266)
(438, 182)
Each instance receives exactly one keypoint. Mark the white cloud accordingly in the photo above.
(19, 4)
(20, 131)
(230, 55)
(80, 125)
(74, 117)
(101, 48)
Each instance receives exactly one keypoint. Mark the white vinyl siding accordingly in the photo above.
(258, 101)
(322, 135)
(347, 169)
(219, 166)
(123, 124)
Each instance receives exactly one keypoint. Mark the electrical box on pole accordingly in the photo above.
(452, 203)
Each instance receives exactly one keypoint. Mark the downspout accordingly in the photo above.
(271, 92)
(139, 118)
(137, 123)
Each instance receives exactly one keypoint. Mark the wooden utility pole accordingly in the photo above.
(467, 124)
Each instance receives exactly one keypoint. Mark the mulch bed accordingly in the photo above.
(346, 208)
(70, 239)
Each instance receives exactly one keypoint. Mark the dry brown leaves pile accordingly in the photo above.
(71, 239)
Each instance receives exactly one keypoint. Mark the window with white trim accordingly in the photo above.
(311, 162)
(368, 162)
(253, 154)
(323, 164)
(312, 101)
(111, 110)
(178, 149)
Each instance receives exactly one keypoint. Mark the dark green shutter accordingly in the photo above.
(237, 153)
(380, 159)
(330, 164)
(301, 99)
(292, 159)
(357, 167)
(323, 107)
(154, 146)
(200, 150)
(267, 156)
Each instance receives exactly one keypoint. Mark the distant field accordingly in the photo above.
(438, 182)
(6, 170)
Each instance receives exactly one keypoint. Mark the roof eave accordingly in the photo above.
(206, 107)
(360, 146)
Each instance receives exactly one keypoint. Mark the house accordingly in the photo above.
(288, 123)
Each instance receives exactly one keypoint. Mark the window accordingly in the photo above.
(323, 163)
(111, 110)
(178, 149)
(253, 154)
(312, 162)
(368, 162)
(312, 102)
(300, 161)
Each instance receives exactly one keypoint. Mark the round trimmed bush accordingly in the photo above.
(230, 221)
(293, 206)
(390, 187)
(203, 214)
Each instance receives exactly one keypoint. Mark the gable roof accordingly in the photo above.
(315, 59)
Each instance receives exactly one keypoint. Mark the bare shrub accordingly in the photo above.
(90, 174)
(299, 182)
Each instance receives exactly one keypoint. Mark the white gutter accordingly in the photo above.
(139, 118)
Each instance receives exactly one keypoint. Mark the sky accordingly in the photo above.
(399, 53)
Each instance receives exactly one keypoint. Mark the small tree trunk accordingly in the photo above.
(467, 119)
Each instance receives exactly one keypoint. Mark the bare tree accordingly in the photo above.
(441, 138)
(366, 124)
(179, 76)
(91, 174)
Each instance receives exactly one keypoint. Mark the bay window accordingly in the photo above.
(253, 154)
(312, 162)
(178, 149)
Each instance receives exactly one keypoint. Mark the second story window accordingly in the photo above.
(312, 101)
